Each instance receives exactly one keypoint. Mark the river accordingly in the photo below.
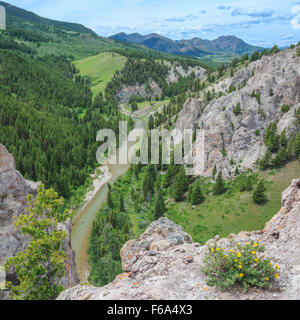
(83, 221)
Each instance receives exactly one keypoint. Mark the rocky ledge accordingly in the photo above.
(165, 264)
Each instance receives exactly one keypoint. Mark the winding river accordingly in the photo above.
(83, 221)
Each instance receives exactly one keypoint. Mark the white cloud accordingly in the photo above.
(296, 20)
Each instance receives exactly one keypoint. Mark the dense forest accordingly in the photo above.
(41, 123)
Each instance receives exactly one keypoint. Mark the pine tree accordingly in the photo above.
(168, 177)
(159, 206)
(190, 193)
(197, 195)
(214, 172)
(219, 187)
(265, 162)
(110, 203)
(280, 156)
(151, 122)
(122, 206)
(290, 151)
(283, 139)
(237, 109)
(297, 144)
(259, 195)
(180, 185)
(249, 186)
(41, 266)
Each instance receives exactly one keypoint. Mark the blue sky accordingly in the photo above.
(259, 22)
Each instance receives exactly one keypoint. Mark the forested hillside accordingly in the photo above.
(40, 107)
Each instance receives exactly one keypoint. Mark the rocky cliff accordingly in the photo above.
(13, 202)
(277, 79)
(164, 263)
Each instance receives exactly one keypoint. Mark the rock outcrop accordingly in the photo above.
(277, 79)
(124, 95)
(164, 264)
(13, 202)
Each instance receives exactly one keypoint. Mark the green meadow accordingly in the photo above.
(225, 214)
(100, 69)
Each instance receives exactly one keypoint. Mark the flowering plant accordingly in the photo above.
(242, 266)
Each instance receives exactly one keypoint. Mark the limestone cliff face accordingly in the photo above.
(13, 202)
(237, 134)
(164, 263)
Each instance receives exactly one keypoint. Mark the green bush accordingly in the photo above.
(244, 266)
(298, 52)
(285, 108)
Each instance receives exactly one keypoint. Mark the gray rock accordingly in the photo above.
(236, 134)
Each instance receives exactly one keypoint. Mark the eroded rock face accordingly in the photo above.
(13, 202)
(164, 264)
(237, 133)
(124, 95)
(14, 190)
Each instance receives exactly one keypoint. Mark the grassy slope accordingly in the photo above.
(100, 69)
(224, 215)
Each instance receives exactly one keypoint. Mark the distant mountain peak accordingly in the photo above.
(193, 47)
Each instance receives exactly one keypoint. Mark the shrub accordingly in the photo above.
(237, 109)
(298, 52)
(244, 266)
(285, 108)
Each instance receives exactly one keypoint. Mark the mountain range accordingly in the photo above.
(195, 47)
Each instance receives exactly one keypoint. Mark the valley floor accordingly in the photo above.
(222, 215)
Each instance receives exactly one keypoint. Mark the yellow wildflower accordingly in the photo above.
(218, 249)
(267, 278)
(226, 256)
(239, 255)
(255, 244)
(277, 267)
(240, 266)
(241, 275)
(271, 264)
(247, 243)
(236, 260)
(231, 250)
(276, 275)
(238, 244)
(212, 250)
(256, 260)
(253, 252)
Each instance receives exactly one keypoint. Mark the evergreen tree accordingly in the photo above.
(290, 151)
(259, 195)
(168, 177)
(283, 139)
(219, 187)
(151, 122)
(265, 162)
(190, 193)
(197, 195)
(159, 206)
(214, 172)
(122, 206)
(110, 203)
(280, 156)
(180, 185)
(237, 109)
(41, 266)
(297, 144)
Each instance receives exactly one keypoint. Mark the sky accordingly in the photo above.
(258, 22)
